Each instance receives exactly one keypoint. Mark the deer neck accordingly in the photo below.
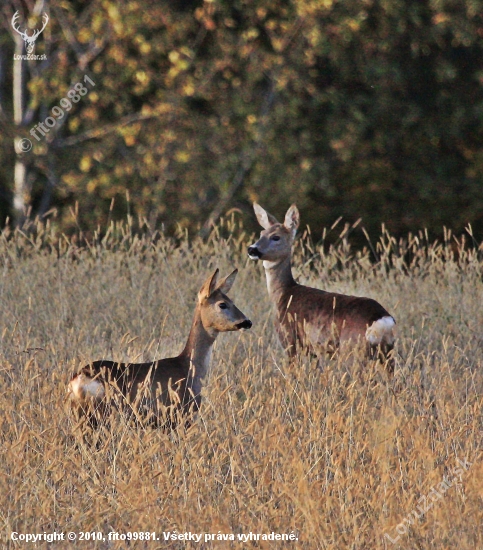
(279, 278)
(197, 351)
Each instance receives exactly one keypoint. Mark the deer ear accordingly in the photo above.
(292, 219)
(225, 284)
(208, 286)
(265, 219)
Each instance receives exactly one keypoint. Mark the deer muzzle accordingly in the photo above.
(254, 253)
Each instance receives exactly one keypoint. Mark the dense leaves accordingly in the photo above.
(368, 109)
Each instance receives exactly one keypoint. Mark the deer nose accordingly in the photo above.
(245, 324)
(253, 252)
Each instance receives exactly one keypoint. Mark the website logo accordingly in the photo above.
(29, 40)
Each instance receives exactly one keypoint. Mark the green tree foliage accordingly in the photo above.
(368, 109)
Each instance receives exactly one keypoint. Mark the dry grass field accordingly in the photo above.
(339, 457)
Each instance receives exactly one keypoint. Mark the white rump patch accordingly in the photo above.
(381, 331)
(84, 387)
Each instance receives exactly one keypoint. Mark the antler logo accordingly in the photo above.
(29, 40)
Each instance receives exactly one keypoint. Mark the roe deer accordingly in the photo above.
(311, 318)
(174, 383)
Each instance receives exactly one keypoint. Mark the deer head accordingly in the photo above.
(218, 312)
(29, 40)
(276, 239)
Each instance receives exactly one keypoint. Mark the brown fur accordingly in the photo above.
(307, 317)
(159, 390)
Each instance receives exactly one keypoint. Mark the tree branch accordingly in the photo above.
(99, 132)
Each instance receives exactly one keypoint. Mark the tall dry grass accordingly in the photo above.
(339, 456)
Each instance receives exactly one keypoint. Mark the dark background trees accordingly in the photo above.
(366, 109)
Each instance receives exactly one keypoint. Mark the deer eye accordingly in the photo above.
(222, 305)
(275, 238)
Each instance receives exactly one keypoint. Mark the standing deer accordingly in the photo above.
(159, 389)
(311, 318)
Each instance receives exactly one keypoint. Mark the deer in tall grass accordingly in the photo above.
(314, 319)
(159, 391)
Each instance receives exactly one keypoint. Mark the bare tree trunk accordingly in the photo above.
(21, 191)
(3, 68)
(50, 185)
